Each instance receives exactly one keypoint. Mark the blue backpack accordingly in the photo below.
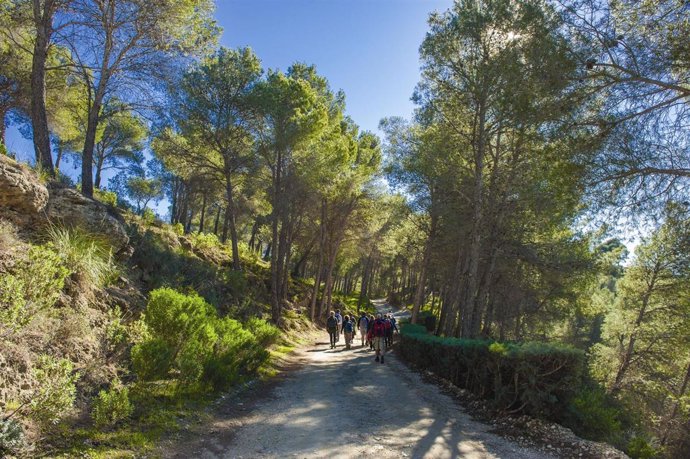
(348, 327)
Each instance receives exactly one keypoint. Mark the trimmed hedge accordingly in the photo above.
(531, 378)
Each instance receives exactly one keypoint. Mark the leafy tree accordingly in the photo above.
(123, 48)
(214, 113)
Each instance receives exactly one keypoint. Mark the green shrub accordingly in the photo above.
(33, 285)
(593, 414)
(11, 436)
(106, 197)
(178, 229)
(264, 333)
(532, 378)
(87, 256)
(205, 241)
(112, 406)
(188, 340)
(152, 359)
(639, 448)
(56, 391)
(148, 216)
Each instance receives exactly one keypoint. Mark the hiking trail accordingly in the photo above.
(340, 403)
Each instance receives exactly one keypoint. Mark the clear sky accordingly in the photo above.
(368, 48)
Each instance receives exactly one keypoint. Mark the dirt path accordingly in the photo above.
(341, 404)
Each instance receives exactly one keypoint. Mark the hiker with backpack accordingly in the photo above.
(362, 325)
(332, 327)
(348, 330)
(339, 318)
(378, 335)
(389, 330)
(370, 326)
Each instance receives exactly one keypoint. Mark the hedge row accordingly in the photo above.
(531, 378)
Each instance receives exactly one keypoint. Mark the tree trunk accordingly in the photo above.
(230, 215)
(100, 158)
(275, 270)
(676, 405)
(43, 22)
(215, 224)
(469, 329)
(426, 257)
(319, 267)
(203, 213)
(630, 348)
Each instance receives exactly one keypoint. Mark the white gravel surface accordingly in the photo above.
(342, 404)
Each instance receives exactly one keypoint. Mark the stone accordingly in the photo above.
(68, 207)
(22, 195)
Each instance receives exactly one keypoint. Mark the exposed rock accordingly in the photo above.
(22, 195)
(69, 207)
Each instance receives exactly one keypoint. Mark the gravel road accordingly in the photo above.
(341, 404)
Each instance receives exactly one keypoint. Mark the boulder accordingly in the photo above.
(30, 205)
(70, 208)
(22, 195)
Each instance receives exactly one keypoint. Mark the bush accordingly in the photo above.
(87, 256)
(205, 241)
(11, 436)
(178, 229)
(639, 448)
(106, 197)
(531, 378)
(189, 341)
(56, 389)
(112, 406)
(33, 285)
(593, 414)
(152, 359)
(148, 216)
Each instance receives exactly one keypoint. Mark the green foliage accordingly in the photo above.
(206, 241)
(152, 359)
(178, 229)
(595, 415)
(87, 256)
(33, 285)
(56, 389)
(188, 341)
(11, 435)
(534, 378)
(105, 196)
(112, 406)
(639, 448)
(148, 216)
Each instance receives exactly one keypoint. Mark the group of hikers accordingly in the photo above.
(376, 332)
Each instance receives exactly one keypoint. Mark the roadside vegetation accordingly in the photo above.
(532, 214)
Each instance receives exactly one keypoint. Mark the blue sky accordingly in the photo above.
(368, 48)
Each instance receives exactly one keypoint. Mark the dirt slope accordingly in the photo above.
(342, 404)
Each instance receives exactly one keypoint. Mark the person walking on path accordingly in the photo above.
(378, 335)
(389, 330)
(339, 318)
(370, 325)
(332, 327)
(348, 330)
(362, 326)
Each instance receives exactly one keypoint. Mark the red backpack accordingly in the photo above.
(379, 328)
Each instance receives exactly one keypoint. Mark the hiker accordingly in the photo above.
(378, 335)
(370, 325)
(348, 330)
(362, 325)
(332, 327)
(339, 318)
(389, 330)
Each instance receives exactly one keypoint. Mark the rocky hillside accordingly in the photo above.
(75, 277)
